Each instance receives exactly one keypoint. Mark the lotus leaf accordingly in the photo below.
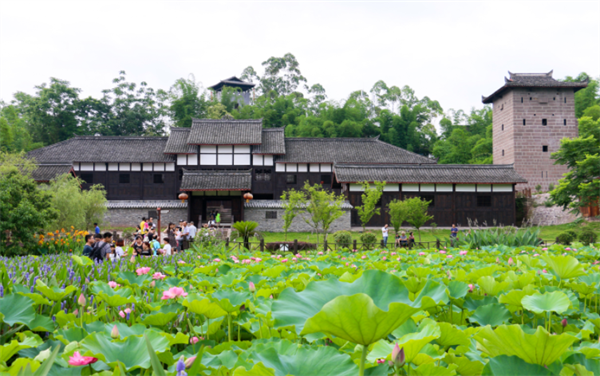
(131, 279)
(549, 302)
(322, 361)
(54, 293)
(203, 306)
(113, 298)
(231, 301)
(451, 336)
(564, 267)
(16, 309)
(514, 366)
(491, 314)
(540, 348)
(412, 343)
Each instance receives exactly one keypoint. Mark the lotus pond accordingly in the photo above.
(494, 311)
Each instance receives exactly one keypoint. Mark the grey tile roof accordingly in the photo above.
(532, 80)
(216, 180)
(277, 204)
(273, 142)
(347, 150)
(47, 172)
(146, 204)
(232, 81)
(104, 149)
(225, 132)
(177, 142)
(437, 173)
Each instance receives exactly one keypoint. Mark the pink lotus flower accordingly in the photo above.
(173, 293)
(127, 310)
(217, 260)
(132, 259)
(77, 360)
(320, 253)
(298, 255)
(294, 259)
(462, 253)
(544, 271)
(399, 259)
(380, 361)
(384, 258)
(122, 314)
(449, 256)
(347, 263)
(143, 270)
(363, 257)
(114, 333)
(354, 250)
(112, 284)
(393, 254)
(81, 299)
(443, 252)
(544, 249)
(152, 284)
(76, 312)
(422, 253)
(194, 340)
(284, 260)
(251, 287)
(535, 255)
(343, 258)
(181, 262)
(471, 287)
(510, 261)
(158, 275)
(567, 249)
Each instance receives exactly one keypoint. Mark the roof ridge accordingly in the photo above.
(408, 151)
(424, 165)
(228, 120)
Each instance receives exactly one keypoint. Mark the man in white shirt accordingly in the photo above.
(166, 248)
(384, 232)
(191, 230)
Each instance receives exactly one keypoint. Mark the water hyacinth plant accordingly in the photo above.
(496, 310)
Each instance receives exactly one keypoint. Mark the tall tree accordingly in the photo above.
(417, 213)
(187, 101)
(322, 207)
(587, 97)
(14, 135)
(370, 198)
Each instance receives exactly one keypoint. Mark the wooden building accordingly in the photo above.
(217, 161)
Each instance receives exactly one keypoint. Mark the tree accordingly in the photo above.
(24, 209)
(417, 213)
(282, 75)
(187, 102)
(291, 200)
(245, 229)
(587, 97)
(370, 199)
(580, 186)
(94, 205)
(399, 212)
(14, 136)
(322, 207)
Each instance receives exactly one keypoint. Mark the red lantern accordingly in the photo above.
(248, 196)
(183, 197)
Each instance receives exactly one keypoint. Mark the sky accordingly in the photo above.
(453, 52)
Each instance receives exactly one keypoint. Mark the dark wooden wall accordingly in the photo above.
(141, 185)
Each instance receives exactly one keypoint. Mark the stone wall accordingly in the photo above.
(540, 215)
(131, 217)
(298, 225)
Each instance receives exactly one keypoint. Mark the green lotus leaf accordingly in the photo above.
(259, 369)
(159, 318)
(17, 308)
(412, 343)
(41, 323)
(10, 349)
(132, 279)
(592, 365)
(466, 366)
(408, 327)
(430, 369)
(113, 297)
(74, 334)
(23, 366)
(54, 293)
(514, 297)
(322, 361)
(457, 289)
(231, 301)
(491, 314)
(538, 348)
(556, 301)
(472, 304)
(132, 351)
(37, 298)
(450, 335)
(203, 306)
(295, 308)
(492, 287)
(564, 267)
(514, 366)
(124, 329)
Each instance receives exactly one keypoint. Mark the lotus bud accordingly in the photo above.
(564, 323)
(194, 340)
(152, 284)
(510, 261)
(76, 312)
(115, 332)
(81, 300)
(251, 287)
(189, 361)
(398, 356)
(471, 287)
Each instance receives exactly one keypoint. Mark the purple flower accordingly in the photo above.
(1, 291)
(181, 367)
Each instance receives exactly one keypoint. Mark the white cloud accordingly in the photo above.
(451, 51)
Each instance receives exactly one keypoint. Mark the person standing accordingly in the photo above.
(171, 236)
(454, 231)
(143, 226)
(119, 249)
(192, 231)
(184, 236)
(218, 218)
(384, 232)
(96, 229)
(89, 245)
(103, 248)
(151, 225)
(411, 239)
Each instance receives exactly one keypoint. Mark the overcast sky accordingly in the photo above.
(453, 52)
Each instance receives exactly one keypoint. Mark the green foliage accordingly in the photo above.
(566, 238)
(399, 212)
(291, 201)
(24, 208)
(14, 135)
(369, 199)
(500, 235)
(538, 188)
(187, 102)
(587, 236)
(417, 213)
(343, 238)
(245, 229)
(585, 98)
(321, 207)
(368, 239)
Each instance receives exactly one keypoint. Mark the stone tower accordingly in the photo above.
(532, 113)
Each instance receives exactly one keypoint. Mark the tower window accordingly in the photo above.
(502, 126)
(524, 122)
(544, 121)
(502, 107)
(529, 98)
(503, 152)
(564, 121)
(521, 99)
(542, 174)
(553, 98)
(565, 100)
(124, 178)
(545, 148)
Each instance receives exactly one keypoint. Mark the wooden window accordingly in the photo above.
(524, 122)
(271, 215)
(159, 179)
(544, 121)
(484, 201)
(545, 148)
(564, 121)
(325, 179)
(123, 178)
(291, 179)
(429, 198)
(88, 178)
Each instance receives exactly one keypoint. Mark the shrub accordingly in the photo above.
(343, 238)
(369, 239)
(550, 187)
(548, 204)
(302, 246)
(587, 237)
(538, 188)
(565, 238)
(499, 236)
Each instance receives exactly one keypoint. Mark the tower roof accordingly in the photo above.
(532, 80)
(233, 82)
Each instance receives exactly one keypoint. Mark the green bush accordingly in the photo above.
(550, 187)
(343, 238)
(500, 236)
(368, 239)
(565, 238)
(587, 237)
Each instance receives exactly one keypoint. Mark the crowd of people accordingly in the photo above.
(404, 241)
(146, 242)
